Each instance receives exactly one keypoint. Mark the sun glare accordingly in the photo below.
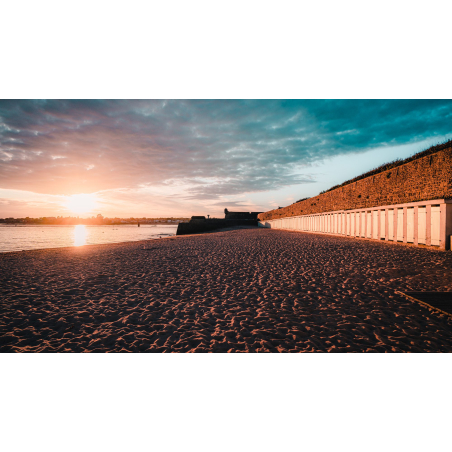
(80, 235)
(82, 203)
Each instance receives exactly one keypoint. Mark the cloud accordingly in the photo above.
(230, 204)
(211, 148)
(21, 204)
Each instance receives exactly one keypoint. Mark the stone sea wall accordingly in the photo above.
(426, 178)
(204, 225)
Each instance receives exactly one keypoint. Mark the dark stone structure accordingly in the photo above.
(240, 215)
(199, 224)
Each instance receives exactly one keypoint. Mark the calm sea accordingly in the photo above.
(18, 238)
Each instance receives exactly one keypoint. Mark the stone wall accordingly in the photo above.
(426, 178)
(200, 226)
(240, 215)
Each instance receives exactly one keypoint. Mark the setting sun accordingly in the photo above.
(81, 203)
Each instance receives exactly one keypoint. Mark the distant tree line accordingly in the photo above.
(98, 220)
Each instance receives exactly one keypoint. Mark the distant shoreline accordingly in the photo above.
(90, 223)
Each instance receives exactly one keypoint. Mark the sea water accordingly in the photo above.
(33, 237)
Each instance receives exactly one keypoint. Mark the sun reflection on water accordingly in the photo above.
(80, 235)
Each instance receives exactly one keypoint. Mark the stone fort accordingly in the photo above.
(199, 224)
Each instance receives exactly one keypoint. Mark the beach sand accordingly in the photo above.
(233, 290)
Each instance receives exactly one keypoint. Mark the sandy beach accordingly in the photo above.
(254, 290)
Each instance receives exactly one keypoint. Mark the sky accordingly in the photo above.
(159, 158)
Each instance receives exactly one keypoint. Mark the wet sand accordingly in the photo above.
(255, 290)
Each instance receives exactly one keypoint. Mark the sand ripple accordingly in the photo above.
(243, 290)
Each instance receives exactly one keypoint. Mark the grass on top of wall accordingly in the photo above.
(394, 164)
(389, 165)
